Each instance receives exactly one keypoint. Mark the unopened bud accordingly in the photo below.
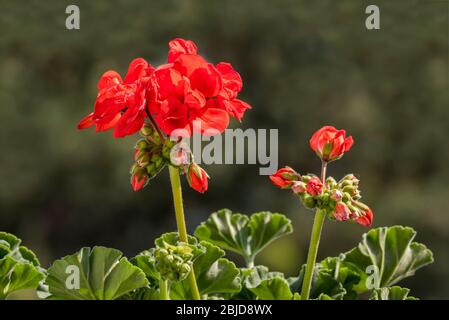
(308, 201)
(330, 182)
(352, 190)
(147, 130)
(143, 160)
(142, 144)
(337, 195)
(298, 187)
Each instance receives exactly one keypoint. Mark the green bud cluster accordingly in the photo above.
(174, 263)
(344, 192)
(151, 154)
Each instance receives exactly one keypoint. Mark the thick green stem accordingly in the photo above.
(250, 262)
(180, 221)
(163, 290)
(313, 250)
(314, 243)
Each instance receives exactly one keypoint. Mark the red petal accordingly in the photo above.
(103, 126)
(211, 121)
(138, 183)
(236, 108)
(348, 143)
(180, 46)
(207, 80)
(187, 64)
(109, 79)
(138, 68)
(86, 122)
(232, 81)
(366, 220)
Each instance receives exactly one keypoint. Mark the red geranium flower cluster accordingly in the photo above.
(186, 95)
(341, 200)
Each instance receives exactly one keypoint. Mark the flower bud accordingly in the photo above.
(138, 181)
(197, 178)
(306, 178)
(337, 195)
(308, 201)
(143, 159)
(298, 187)
(365, 218)
(342, 212)
(147, 130)
(142, 144)
(314, 186)
(331, 183)
(330, 144)
(351, 190)
(285, 177)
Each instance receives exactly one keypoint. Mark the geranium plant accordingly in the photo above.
(165, 104)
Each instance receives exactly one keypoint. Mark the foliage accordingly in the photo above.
(19, 267)
(105, 275)
(93, 274)
(244, 235)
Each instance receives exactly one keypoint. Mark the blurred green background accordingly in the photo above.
(304, 64)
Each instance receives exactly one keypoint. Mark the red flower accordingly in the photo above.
(121, 104)
(284, 177)
(366, 218)
(314, 186)
(342, 212)
(330, 144)
(193, 95)
(177, 105)
(197, 178)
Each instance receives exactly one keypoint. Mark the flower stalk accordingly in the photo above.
(314, 243)
(181, 224)
(163, 290)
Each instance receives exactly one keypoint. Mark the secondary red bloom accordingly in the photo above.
(121, 104)
(366, 218)
(342, 212)
(284, 177)
(193, 95)
(330, 144)
(197, 178)
(314, 186)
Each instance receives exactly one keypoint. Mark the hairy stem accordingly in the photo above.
(180, 221)
(314, 243)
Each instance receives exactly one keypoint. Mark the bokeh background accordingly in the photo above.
(304, 64)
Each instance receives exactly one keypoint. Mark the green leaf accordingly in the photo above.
(273, 289)
(214, 274)
(103, 274)
(391, 293)
(145, 262)
(384, 257)
(324, 286)
(345, 274)
(19, 267)
(267, 285)
(244, 235)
